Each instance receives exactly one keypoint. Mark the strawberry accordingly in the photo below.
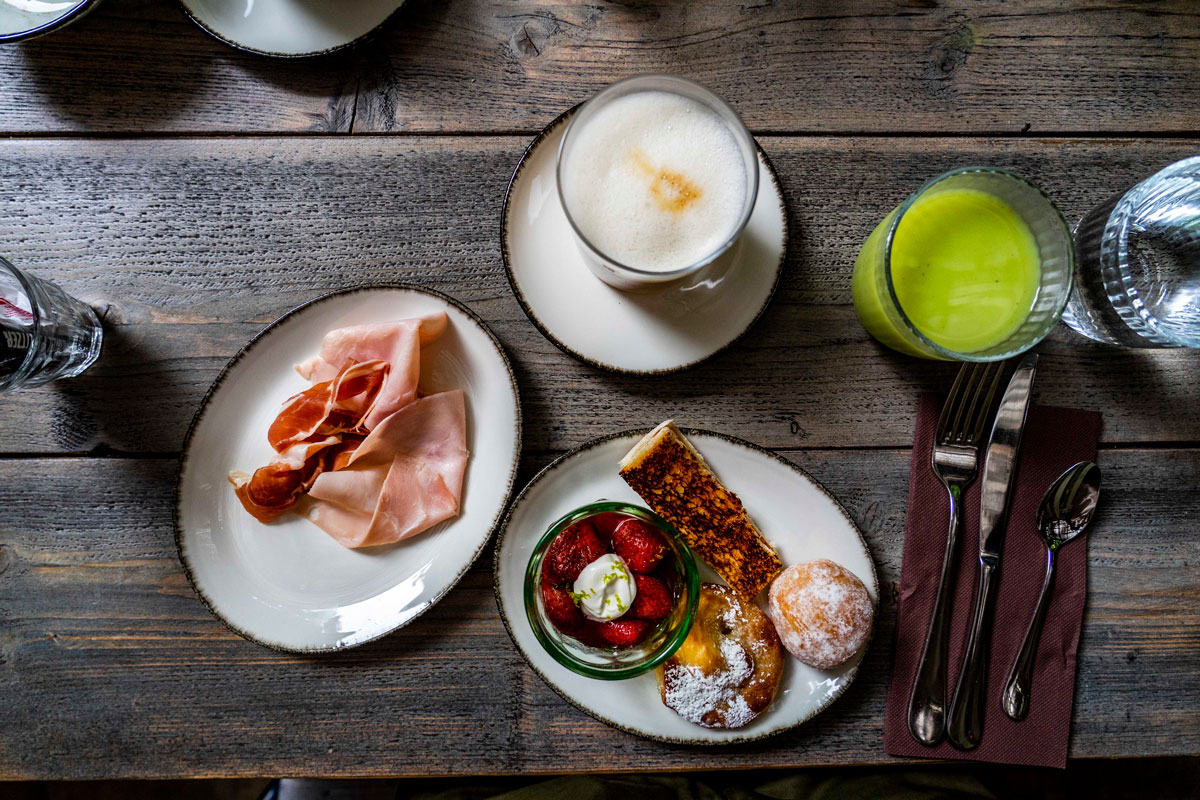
(589, 634)
(624, 632)
(570, 552)
(639, 544)
(561, 609)
(653, 601)
(605, 524)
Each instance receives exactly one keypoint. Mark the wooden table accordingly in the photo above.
(196, 192)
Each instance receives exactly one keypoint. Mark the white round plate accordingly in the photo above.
(290, 28)
(795, 513)
(27, 19)
(289, 585)
(664, 330)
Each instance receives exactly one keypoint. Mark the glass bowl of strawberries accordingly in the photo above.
(611, 590)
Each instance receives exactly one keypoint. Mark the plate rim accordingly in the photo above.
(80, 10)
(225, 40)
(605, 439)
(177, 500)
(506, 257)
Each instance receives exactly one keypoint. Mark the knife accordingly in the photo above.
(965, 725)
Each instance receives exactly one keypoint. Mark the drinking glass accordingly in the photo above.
(1138, 282)
(874, 291)
(45, 334)
(627, 276)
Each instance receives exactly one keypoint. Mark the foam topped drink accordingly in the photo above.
(656, 181)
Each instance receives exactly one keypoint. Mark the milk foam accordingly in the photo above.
(654, 180)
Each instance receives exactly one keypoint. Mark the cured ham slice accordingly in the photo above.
(404, 478)
(397, 343)
(309, 423)
(334, 406)
(359, 454)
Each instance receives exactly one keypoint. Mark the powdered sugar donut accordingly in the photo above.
(727, 670)
(822, 612)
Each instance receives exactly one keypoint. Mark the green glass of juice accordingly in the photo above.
(975, 265)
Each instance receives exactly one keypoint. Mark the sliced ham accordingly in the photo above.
(404, 478)
(397, 343)
(333, 406)
(358, 454)
(310, 423)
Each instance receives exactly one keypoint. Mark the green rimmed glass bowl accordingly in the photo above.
(616, 663)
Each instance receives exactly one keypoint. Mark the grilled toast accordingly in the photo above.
(671, 475)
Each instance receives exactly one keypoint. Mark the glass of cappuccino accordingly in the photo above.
(658, 178)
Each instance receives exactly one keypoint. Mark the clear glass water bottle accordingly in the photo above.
(1137, 273)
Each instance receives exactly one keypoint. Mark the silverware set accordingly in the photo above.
(1064, 514)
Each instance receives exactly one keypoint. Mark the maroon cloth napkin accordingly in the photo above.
(1054, 439)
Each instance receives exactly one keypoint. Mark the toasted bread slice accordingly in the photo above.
(673, 478)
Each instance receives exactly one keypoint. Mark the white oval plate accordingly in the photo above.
(663, 330)
(289, 28)
(795, 513)
(289, 585)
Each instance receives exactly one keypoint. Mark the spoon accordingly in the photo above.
(1065, 512)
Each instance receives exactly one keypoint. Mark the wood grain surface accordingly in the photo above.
(141, 65)
(193, 245)
(494, 65)
(111, 667)
(193, 193)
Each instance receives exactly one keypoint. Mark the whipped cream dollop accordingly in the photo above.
(605, 589)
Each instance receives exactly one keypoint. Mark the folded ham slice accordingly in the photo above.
(397, 343)
(358, 454)
(309, 424)
(331, 407)
(404, 478)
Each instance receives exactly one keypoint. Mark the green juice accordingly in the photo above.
(965, 268)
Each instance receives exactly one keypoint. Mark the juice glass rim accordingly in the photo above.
(740, 133)
(925, 341)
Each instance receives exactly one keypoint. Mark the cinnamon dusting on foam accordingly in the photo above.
(671, 191)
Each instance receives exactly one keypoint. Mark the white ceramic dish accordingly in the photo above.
(290, 28)
(288, 585)
(800, 518)
(654, 331)
(28, 19)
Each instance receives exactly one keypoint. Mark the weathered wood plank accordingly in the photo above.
(486, 65)
(111, 667)
(141, 65)
(193, 245)
(942, 66)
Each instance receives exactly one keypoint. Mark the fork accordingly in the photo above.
(955, 462)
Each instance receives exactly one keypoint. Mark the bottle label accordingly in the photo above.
(15, 338)
(11, 310)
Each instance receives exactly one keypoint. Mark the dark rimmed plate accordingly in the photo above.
(795, 512)
(20, 24)
(288, 585)
(288, 28)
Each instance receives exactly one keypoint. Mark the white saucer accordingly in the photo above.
(665, 330)
(289, 28)
(289, 585)
(796, 514)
